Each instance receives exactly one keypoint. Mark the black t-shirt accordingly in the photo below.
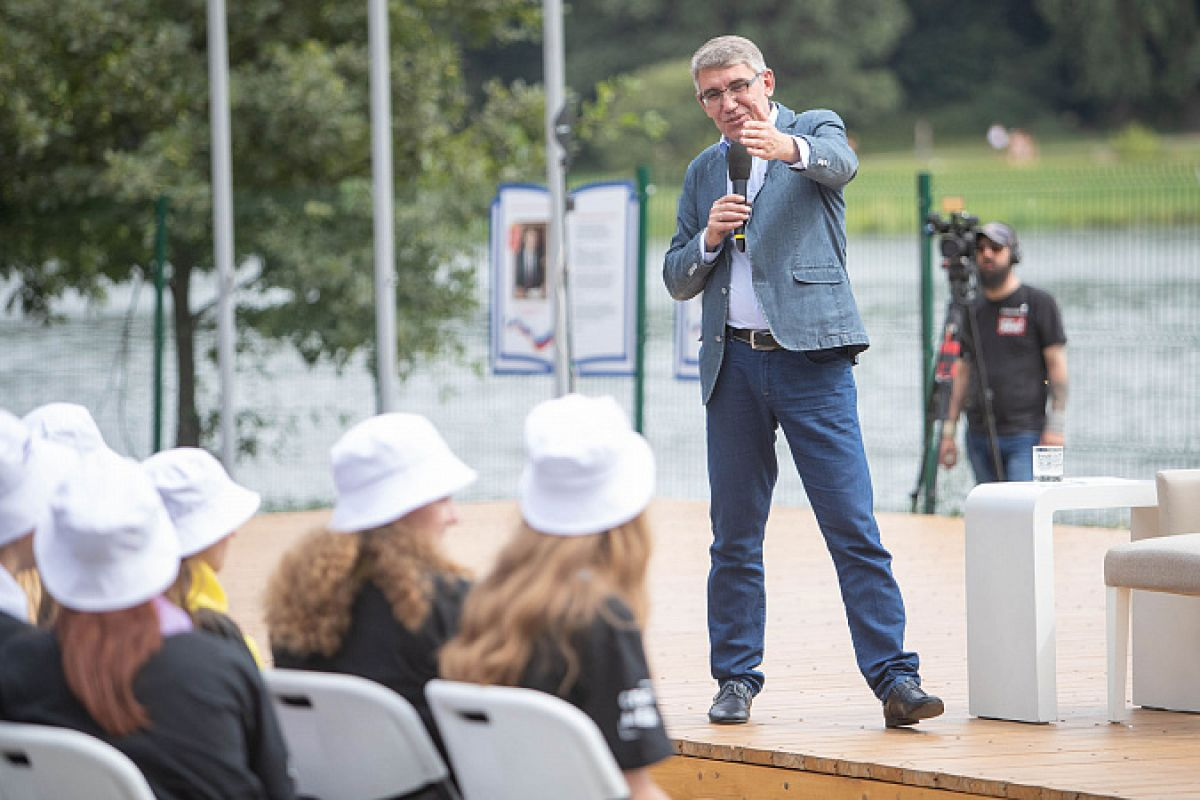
(1012, 334)
(10, 626)
(213, 732)
(612, 686)
(379, 647)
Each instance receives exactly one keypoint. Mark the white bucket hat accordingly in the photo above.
(388, 465)
(107, 542)
(30, 470)
(587, 470)
(204, 502)
(67, 424)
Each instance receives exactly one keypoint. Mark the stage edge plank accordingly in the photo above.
(692, 778)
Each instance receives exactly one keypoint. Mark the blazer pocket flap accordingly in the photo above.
(818, 274)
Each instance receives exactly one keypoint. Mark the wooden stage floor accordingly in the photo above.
(817, 731)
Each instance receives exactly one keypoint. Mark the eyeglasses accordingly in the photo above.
(739, 88)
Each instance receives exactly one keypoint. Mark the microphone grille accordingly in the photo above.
(739, 159)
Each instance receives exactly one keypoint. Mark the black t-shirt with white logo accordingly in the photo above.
(612, 686)
(1012, 334)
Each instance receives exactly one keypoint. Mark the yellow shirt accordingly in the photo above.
(207, 592)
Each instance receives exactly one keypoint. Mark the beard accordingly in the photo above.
(994, 278)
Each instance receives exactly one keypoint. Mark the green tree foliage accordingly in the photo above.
(1123, 60)
(961, 66)
(104, 106)
(1070, 63)
(825, 53)
(965, 67)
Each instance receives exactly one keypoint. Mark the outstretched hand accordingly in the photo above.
(767, 142)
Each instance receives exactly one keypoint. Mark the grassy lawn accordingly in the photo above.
(1076, 183)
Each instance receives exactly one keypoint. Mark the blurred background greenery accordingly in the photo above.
(1059, 69)
(104, 110)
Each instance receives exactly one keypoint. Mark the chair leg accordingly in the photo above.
(1117, 604)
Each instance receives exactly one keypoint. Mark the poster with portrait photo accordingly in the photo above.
(522, 316)
(601, 253)
(527, 243)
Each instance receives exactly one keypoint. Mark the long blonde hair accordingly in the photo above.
(546, 586)
(180, 590)
(310, 596)
(44, 609)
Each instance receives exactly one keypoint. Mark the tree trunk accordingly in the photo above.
(188, 432)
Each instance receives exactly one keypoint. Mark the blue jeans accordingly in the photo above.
(1016, 454)
(816, 406)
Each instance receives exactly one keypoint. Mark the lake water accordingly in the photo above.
(1129, 300)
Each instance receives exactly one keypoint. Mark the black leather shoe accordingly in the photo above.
(731, 706)
(907, 704)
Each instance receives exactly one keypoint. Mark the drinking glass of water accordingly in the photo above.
(1047, 463)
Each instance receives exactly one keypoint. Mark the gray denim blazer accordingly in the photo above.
(796, 239)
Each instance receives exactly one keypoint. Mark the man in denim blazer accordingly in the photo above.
(780, 334)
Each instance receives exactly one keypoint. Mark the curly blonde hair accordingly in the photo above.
(310, 595)
(546, 586)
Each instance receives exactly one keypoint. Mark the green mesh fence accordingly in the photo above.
(1118, 247)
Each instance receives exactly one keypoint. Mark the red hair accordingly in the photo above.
(101, 654)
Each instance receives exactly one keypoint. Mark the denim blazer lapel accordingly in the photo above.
(716, 179)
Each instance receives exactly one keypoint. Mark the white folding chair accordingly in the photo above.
(349, 738)
(521, 744)
(40, 762)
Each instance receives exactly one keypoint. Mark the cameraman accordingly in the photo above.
(1023, 347)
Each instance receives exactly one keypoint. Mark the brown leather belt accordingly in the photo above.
(758, 340)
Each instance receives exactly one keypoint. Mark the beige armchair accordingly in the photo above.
(1169, 562)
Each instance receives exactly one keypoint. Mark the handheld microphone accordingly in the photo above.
(739, 159)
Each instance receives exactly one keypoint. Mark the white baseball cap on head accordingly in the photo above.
(388, 465)
(587, 470)
(107, 542)
(30, 470)
(205, 504)
(67, 424)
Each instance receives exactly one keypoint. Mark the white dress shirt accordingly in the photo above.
(744, 311)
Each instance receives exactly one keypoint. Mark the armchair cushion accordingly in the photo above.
(1159, 564)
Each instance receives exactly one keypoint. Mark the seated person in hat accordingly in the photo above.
(68, 427)
(207, 507)
(29, 470)
(68, 424)
(123, 663)
(374, 595)
(563, 608)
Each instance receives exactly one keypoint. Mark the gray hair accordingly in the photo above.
(727, 51)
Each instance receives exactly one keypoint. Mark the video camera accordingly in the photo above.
(958, 235)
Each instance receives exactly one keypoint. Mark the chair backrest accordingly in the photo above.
(521, 744)
(349, 738)
(1178, 501)
(39, 762)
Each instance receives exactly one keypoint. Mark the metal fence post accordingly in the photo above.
(924, 203)
(639, 368)
(160, 266)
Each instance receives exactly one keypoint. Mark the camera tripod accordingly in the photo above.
(963, 290)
